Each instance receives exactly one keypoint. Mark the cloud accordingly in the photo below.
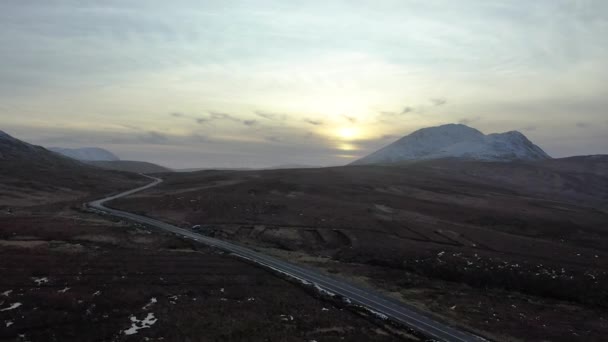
(197, 138)
(350, 119)
(271, 116)
(313, 122)
(389, 136)
(407, 109)
(221, 116)
(177, 115)
(581, 124)
(151, 137)
(529, 128)
(273, 139)
(202, 120)
(438, 101)
(468, 121)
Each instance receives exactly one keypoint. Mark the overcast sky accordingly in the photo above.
(259, 83)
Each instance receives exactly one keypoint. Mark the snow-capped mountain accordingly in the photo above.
(86, 153)
(456, 141)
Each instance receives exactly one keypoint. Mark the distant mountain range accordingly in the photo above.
(107, 160)
(456, 141)
(129, 166)
(86, 153)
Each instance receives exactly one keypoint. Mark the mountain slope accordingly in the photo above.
(32, 175)
(456, 141)
(86, 153)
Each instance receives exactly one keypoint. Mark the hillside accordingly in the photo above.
(86, 153)
(456, 141)
(34, 175)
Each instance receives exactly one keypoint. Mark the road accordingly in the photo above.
(367, 298)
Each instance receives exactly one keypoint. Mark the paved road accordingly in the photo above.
(367, 298)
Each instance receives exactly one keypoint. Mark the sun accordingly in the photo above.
(347, 133)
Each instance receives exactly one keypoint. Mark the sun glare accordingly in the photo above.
(347, 133)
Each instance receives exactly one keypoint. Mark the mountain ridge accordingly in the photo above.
(456, 141)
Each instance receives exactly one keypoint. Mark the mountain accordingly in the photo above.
(32, 175)
(456, 141)
(129, 166)
(86, 153)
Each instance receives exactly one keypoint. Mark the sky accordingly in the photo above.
(260, 83)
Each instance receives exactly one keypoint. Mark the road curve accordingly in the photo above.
(367, 298)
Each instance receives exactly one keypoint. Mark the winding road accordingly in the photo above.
(370, 299)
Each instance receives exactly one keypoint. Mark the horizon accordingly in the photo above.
(248, 85)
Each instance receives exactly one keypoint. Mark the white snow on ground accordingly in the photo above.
(322, 290)
(222, 290)
(286, 318)
(7, 293)
(64, 290)
(41, 280)
(8, 323)
(137, 324)
(13, 306)
(97, 293)
(173, 299)
(375, 313)
(324, 309)
(250, 299)
(152, 302)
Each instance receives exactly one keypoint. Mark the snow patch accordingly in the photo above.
(41, 280)
(137, 324)
(7, 293)
(324, 291)
(8, 323)
(375, 313)
(286, 318)
(12, 307)
(150, 303)
(64, 290)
